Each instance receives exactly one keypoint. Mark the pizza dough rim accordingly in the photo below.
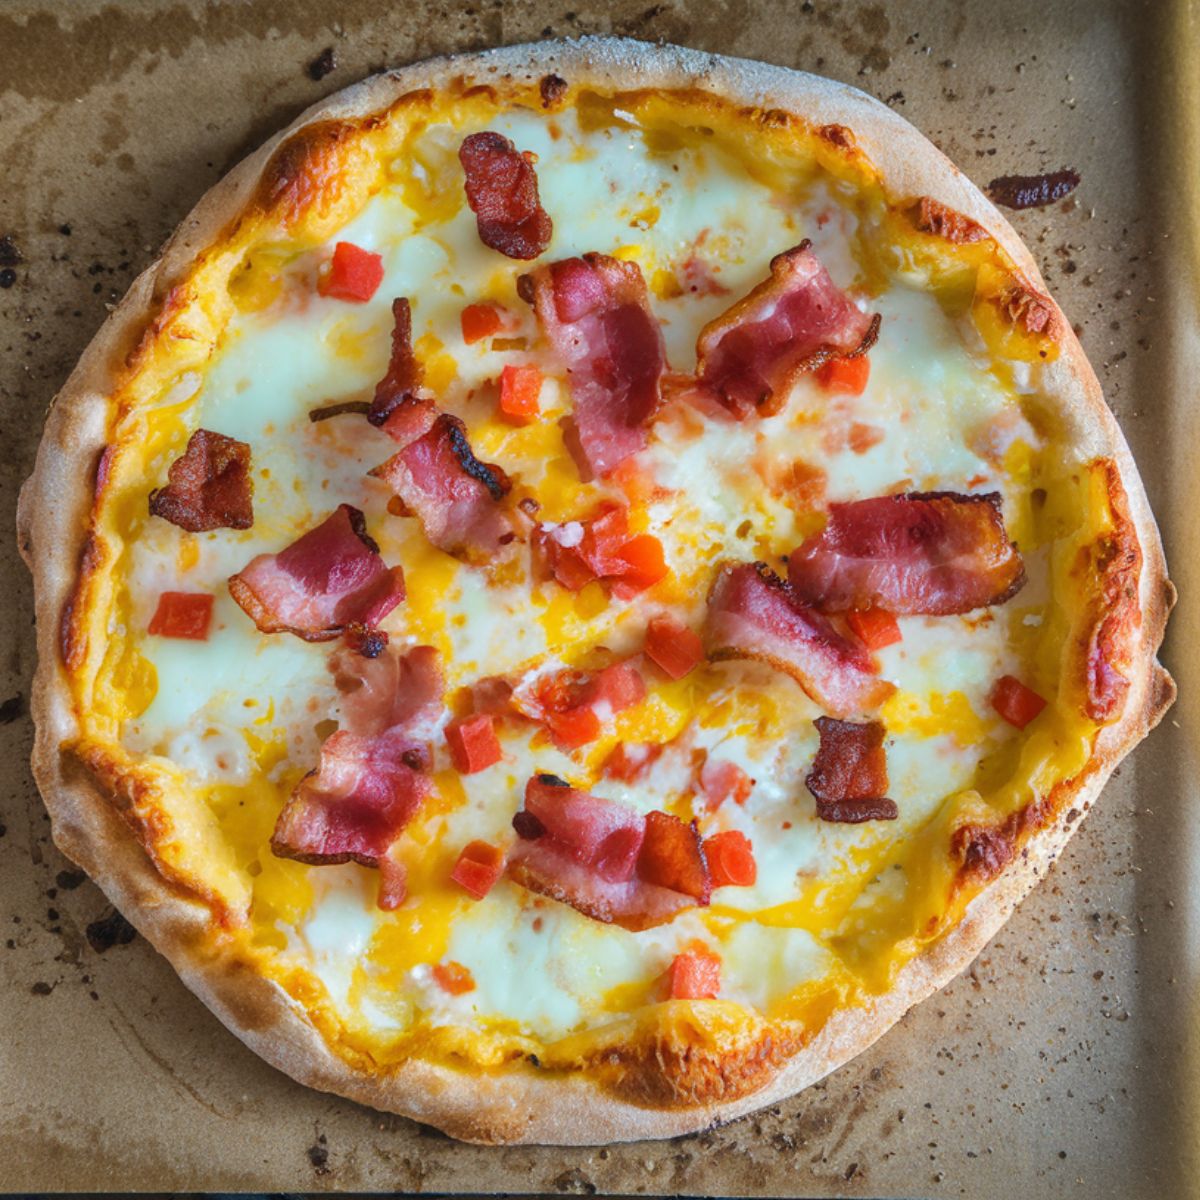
(525, 1107)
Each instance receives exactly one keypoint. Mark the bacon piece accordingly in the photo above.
(605, 859)
(752, 613)
(208, 486)
(454, 495)
(393, 884)
(849, 774)
(502, 190)
(792, 322)
(327, 580)
(924, 552)
(596, 315)
(393, 690)
(398, 388)
(357, 802)
(1033, 191)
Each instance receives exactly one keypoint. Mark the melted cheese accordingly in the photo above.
(242, 715)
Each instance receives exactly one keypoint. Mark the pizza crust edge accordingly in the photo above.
(56, 503)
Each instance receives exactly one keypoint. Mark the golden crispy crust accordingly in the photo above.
(528, 1105)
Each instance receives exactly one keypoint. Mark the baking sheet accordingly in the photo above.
(1065, 1061)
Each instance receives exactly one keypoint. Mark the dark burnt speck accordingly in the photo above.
(111, 930)
(11, 709)
(322, 65)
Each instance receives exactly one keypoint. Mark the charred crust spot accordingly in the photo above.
(72, 643)
(837, 135)
(492, 478)
(1028, 309)
(301, 169)
(932, 216)
(360, 407)
(528, 827)
(552, 89)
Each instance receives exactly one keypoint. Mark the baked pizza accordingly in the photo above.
(586, 580)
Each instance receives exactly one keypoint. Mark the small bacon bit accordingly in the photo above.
(182, 615)
(473, 743)
(342, 408)
(599, 547)
(730, 857)
(552, 89)
(753, 614)
(454, 978)
(502, 190)
(1033, 191)
(454, 495)
(874, 627)
(1015, 702)
(520, 387)
(208, 486)
(931, 216)
(595, 312)
(672, 646)
(370, 643)
(628, 761)
(393, 884)
(793, 322)
(672, 857)
(354, 274)
(325, 581)
(845, 376)
(722, 780)
(480, 321)
(399, 386)
(694, 975)
(925, 552)
(479, 865)
(849, 774)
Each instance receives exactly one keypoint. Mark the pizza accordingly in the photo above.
(586, 580)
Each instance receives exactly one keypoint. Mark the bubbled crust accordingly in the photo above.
(524, 1104)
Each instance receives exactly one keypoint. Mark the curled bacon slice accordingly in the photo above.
(924, 552)
(792, 322)
(596, 315)
(502, 190)
(605, 859)
(390, 690)
(208, 486)
(399, 386)
(849, 774)
(454, 494)
(753, 614)
(327, 580)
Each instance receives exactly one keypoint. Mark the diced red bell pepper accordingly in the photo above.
(695, 975)
(672, 646)
(573, 728)
(480, 321)
(1015, 702)
(730, 859)
(183, 615)
(473, 743)
(863, 436)
(847, 376)
(520, 387)
(875, 628)
(620, 686)
(721, 780)
(354, 274)
(479, 865)
(644, 566)
(628, 762)
(454, 978)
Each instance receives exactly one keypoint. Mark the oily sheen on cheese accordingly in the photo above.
(238, 719)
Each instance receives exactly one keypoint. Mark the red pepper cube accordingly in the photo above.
(695, 975)
(847, 376)
(480, 321)
(1015, 702)
(354, 274)
(672, 646)
(520, 387)
(643, 565)
(721, 780)
(454, 978)
(573, 728)
(473, 743)
(620, 686)
(730, 857)
(479, 865)
(875, 628)
(183, 615)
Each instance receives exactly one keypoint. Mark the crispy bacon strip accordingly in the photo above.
(373, 773)
(924, 552)
(753, 614)
(595, 313)
(849, 776)
(605, 859)
(793, 322)
(398, 388)
(329, 579)
(502, 190)
(454, 494)
(208, 486)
